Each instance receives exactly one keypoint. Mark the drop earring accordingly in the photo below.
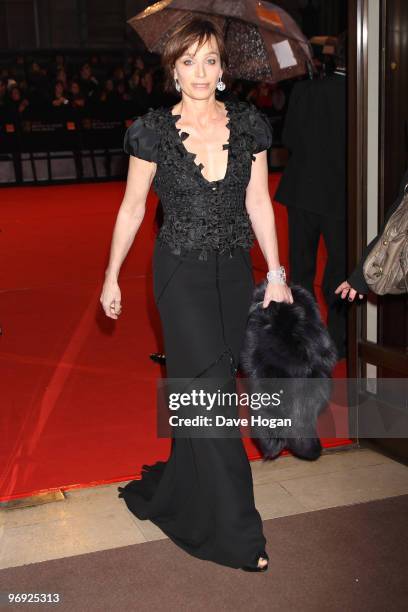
(220, 85)
(177, 85)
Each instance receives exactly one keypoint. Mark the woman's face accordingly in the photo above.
(75, 89)
(86, 71)
(136, 77)
(15, 95)
(61, 75)
(59, 89)
(198, 70)
(119, 74)
(147, 79)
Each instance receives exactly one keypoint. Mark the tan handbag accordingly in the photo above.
(386, 267)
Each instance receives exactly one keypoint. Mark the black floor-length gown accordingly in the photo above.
(202, 497)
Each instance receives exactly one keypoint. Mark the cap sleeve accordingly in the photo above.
(141, 141)
(260, 128)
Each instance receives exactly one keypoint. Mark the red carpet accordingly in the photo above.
(78, 389)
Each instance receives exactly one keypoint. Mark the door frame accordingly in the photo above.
(357, 168)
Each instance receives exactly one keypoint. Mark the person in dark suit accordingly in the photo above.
(313, 186)
(356, 282)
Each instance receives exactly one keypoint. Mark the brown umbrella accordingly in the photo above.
(263, 42)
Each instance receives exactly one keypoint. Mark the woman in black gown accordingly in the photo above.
(202, 497)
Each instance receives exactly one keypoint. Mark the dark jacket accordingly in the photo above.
(315, 133)
(356, 278)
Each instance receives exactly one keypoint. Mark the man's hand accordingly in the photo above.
(345, 288)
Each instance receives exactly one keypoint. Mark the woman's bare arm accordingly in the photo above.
(260, 210)
(128, 221)
(131, 212)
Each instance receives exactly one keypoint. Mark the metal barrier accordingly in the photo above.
(62, 150)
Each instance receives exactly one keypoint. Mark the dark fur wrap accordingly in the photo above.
(289, 341)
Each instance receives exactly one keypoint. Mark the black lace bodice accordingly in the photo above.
(197, 213)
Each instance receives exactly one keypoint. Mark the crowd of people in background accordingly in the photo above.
(35, 89)
(30, 88)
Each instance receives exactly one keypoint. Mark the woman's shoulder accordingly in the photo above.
(252, 121)
(142, 138)
(150, 120)
(243, 108)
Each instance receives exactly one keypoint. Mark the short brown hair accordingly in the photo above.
(187, 32)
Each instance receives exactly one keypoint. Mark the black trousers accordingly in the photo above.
(202, 496)
(305, 228)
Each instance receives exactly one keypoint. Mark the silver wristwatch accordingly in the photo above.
(277, 276)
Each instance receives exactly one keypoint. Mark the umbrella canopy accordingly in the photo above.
(263, 42)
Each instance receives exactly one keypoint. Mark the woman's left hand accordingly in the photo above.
(277, 293)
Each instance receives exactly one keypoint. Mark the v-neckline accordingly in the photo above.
(181, 135)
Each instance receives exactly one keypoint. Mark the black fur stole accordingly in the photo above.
(289, 342)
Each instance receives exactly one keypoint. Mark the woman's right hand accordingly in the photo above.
(111, 299)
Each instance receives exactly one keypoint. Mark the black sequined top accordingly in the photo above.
(197, 213)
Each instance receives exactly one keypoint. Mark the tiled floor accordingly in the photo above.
(95, 519)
